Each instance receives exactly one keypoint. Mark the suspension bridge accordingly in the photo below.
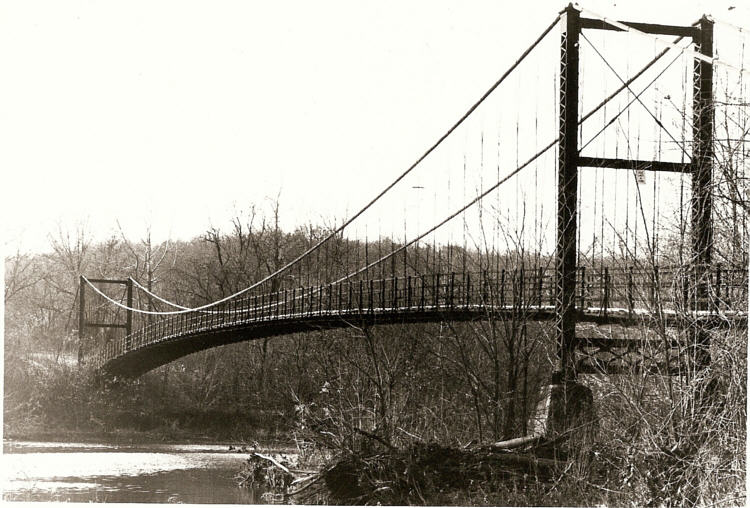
(508, 265)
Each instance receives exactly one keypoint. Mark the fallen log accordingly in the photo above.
(273, 461)
(517, 442)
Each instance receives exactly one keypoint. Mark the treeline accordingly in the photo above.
(359, 390)
(446, 381)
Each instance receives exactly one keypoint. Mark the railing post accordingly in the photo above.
(395, 292)
(421, 289)
(467, 289)
(684, 285)
(310, 311)
(521, 276)
(349, 301)
(452, 288)
(502, 288)
(294, 301)
(483, 288)
(436, 290)
(631, 303)
(408, 291)
(583, 287)
(652, 289)
(382, 294)
(540, 286)
(360, 296)
(606, 290)
(370, 296)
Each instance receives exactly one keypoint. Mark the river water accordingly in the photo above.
(152, 473)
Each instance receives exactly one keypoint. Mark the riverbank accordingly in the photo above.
(51, 401)
(226, 428)
(129, 437)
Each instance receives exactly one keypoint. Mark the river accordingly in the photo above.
(148, 473)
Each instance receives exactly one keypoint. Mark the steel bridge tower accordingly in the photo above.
(569, 160)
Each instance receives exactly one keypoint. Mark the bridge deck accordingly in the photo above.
(606, 297)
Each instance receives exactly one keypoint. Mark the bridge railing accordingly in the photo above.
(599, 290)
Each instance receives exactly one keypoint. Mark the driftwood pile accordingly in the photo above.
(400, 476)
(275, 476)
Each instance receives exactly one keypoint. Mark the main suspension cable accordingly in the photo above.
(419, 160)
(585, 117)
(148, 292)
(381, 193)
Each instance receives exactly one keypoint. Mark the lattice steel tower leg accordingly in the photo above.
(703, 123)
(567, 196)
(702, 168)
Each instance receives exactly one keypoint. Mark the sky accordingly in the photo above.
(176, 115)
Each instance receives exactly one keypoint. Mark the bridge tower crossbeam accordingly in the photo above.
(570, 160)
(567, 404)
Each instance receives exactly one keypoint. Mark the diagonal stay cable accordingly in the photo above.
(338, 230)
(630, 81)
(638, 97)
(696, 54)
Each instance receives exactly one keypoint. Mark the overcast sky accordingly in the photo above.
(175, 114)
